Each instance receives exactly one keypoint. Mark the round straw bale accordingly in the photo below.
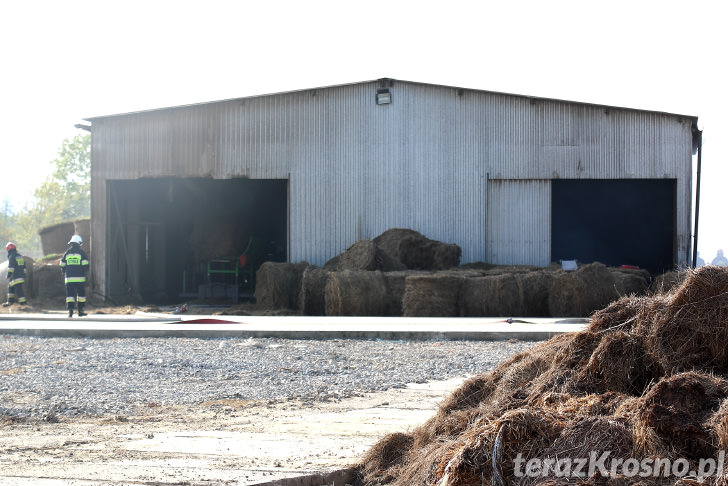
(313, 284)
(278, 285)
(535, 290)
(395, 285)
(48, 281)
(631, 281)
(431, 296)
(418, 252)
(355, 293)
(579, 293)
(498, 295)
(382, 460)
(364, 255)
(665, 282)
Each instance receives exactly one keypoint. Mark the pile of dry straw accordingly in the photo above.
(648, 378)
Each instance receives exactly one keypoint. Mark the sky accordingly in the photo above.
(63, 62)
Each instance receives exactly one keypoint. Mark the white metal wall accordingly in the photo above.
(422, 162)
(518, 222)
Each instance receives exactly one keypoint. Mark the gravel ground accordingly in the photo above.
(50, 377)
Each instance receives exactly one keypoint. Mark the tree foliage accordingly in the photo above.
(64, 196)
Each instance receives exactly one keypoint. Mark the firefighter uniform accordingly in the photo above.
(16, 275)
(75, 267)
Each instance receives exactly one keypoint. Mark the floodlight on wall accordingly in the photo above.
(384, 97)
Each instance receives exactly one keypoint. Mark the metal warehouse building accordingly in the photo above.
(511, 179)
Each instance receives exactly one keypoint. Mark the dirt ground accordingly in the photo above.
(227, 442)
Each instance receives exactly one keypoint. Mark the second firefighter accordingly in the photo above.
(75, 268)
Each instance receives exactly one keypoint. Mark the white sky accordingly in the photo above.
(65, 61)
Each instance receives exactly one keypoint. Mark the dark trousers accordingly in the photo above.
(15, 293)
(75, 293)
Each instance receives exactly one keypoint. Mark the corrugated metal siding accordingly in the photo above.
(422, 162)
(519, 222)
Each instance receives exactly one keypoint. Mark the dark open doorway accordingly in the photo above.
(615, 222)
(168, 237)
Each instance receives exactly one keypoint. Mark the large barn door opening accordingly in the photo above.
(173, 239)
(615, 222)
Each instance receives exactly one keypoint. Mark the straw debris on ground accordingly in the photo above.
(647, 379)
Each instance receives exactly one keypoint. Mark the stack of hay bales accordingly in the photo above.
(368, 280)
(403, 273)
(647, 380)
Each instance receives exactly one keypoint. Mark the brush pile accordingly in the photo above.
(644, 386)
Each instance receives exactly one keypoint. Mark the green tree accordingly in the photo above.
(64, 196)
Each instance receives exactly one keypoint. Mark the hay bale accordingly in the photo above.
(278, 285)
(496, 296)
(432, 296)
(54, 239)
(418, 252)
(355, 293)
(48, 281)
(579, 293)
(395, 286)
(313, 284)
(364, 255)
(666, 281)
(631, 281)
(535, 291)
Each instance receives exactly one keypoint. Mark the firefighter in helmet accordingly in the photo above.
(16, 275)
(74, 264)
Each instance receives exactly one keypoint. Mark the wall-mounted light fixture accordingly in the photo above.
(384, 97)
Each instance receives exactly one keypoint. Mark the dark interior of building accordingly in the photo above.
(173, 238)
(615, 222)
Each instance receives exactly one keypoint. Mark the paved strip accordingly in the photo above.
(292, 327)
